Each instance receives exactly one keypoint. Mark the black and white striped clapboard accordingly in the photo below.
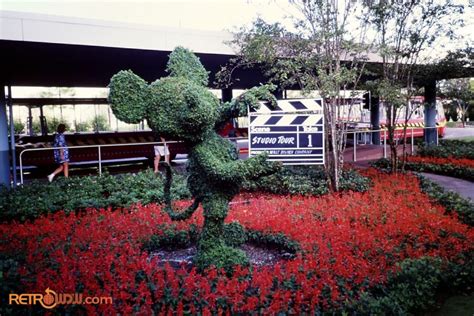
(290, 131)
(288, 112)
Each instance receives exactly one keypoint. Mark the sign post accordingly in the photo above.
(292, 132)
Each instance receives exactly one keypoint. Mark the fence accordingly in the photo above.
(384, 136)
(99, 152)
(363, 135)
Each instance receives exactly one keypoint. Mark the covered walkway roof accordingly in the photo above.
(44, 50)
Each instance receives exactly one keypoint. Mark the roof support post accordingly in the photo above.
(12, 135)
(278, 93)
(30, 122)
(4, 150)
(226, 94)
(430, 113)
(43, 123)
(375, 117)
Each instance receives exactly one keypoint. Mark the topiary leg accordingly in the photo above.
(212, 249)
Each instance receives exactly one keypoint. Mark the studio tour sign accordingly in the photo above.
(291, 132)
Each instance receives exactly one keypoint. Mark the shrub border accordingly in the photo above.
(452, 201)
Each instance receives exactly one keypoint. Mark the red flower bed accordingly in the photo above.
(350, 241)
(461, 162)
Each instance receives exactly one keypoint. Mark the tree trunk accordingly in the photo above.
(333, 164)
(393, 148)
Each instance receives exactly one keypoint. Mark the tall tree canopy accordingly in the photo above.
(326, 50)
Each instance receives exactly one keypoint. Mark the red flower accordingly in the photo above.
(348, 241)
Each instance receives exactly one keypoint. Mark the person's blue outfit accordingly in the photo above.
(60, 141)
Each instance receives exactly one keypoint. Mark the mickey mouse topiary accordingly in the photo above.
(180, 107)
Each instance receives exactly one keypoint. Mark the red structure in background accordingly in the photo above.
(416, 121)
(121, 151)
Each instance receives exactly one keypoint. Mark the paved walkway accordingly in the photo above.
(369, 153)
(459, 132)
(462, 187)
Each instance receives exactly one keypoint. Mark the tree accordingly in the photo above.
(36, 127)
(19, 126)
(82, 127)
(54, 122)
(99, 123)
(325, 51)
(180, 107)
(457, 63)
(404, 30)
(58, 93)
(461, 93)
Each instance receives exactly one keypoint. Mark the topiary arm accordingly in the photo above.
(235, 170)
(128, 96)
(259, 166)
(239, 106)
(177, 216)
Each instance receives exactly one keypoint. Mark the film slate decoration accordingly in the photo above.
(291, 132)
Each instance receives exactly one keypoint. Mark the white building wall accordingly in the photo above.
(77, 31)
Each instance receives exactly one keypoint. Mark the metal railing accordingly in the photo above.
(410, 134)
(99, 151)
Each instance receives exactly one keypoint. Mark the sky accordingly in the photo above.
(196, 14)
(215, 15)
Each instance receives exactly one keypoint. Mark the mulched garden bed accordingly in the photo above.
(257, 255)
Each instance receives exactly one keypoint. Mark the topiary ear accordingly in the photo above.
(183, 63)
(128, 96)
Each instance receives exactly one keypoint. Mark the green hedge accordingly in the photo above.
(305, 180)
(171, 238)
(452, 201)
(448, 148)
(234, 234)
(447, 169)
(77, 193)
(416, 287)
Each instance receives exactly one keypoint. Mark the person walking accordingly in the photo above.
(61, 154)
(159, 152)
